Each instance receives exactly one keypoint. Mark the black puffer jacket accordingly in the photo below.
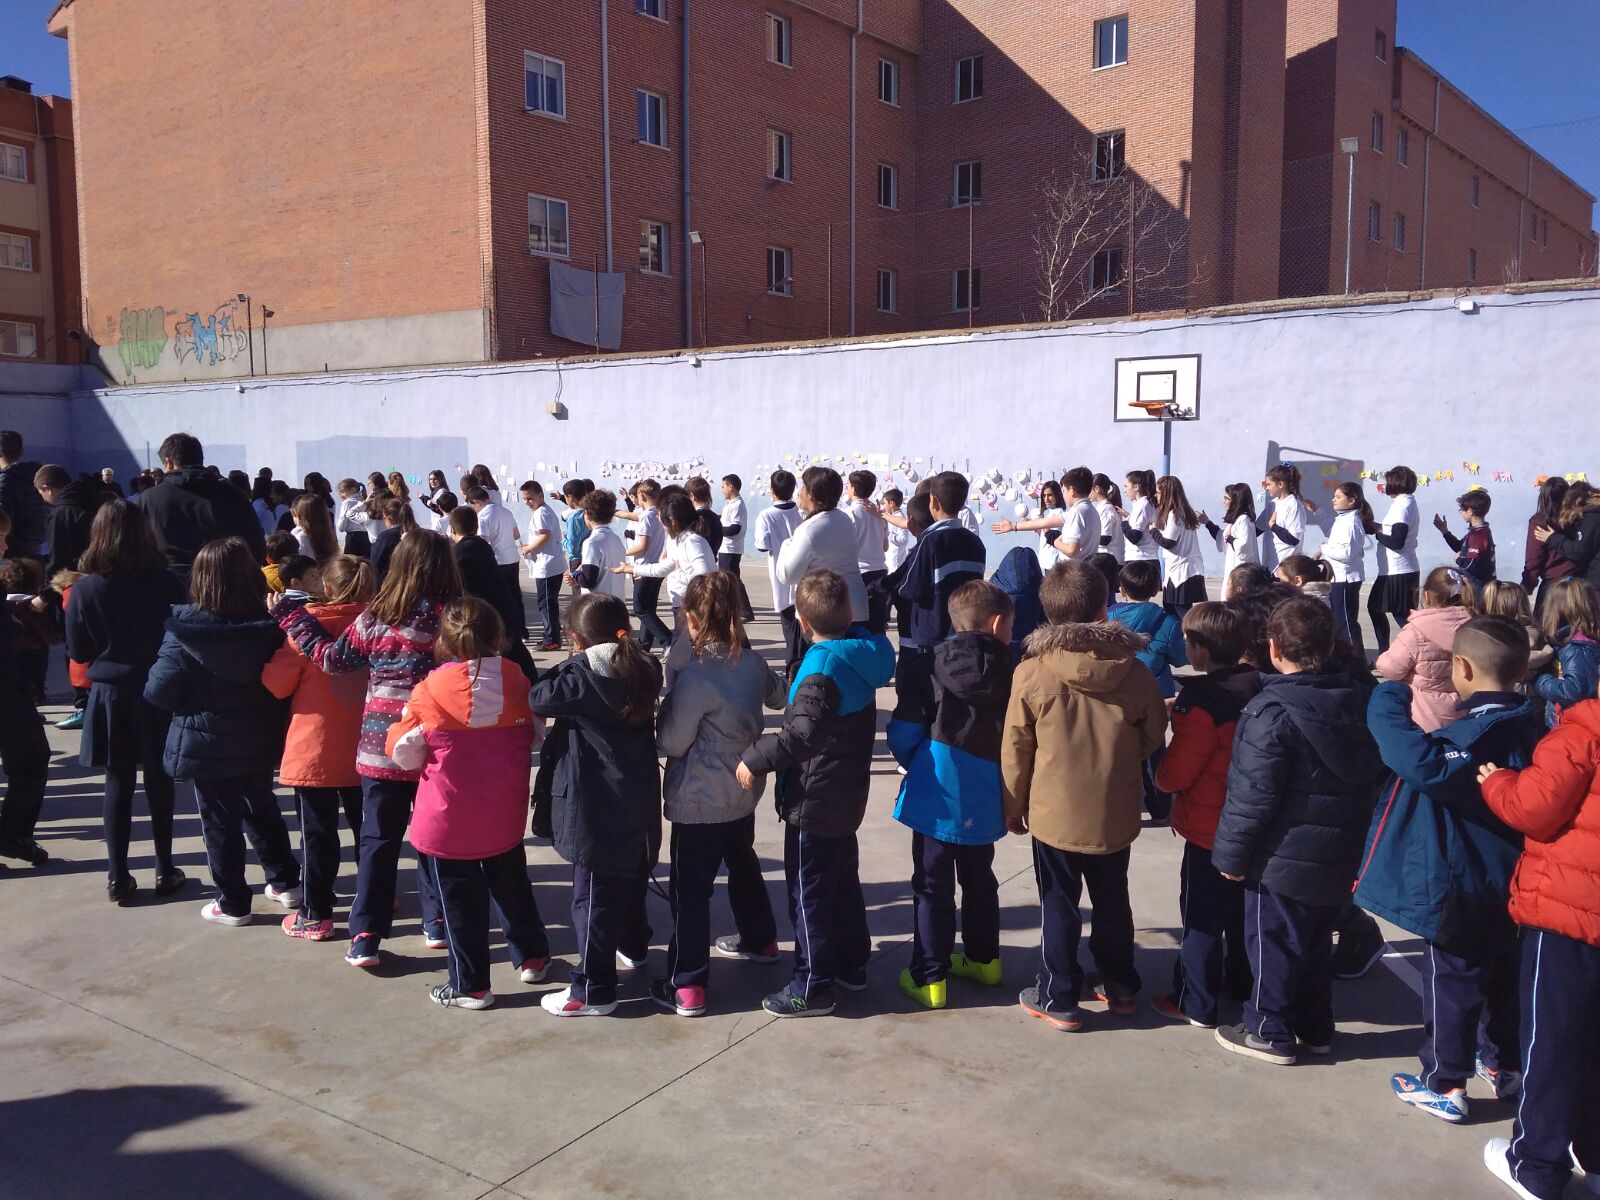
(1301, 788)
(600, 772)
(69, 522)
(823, 753)
(21, 501)
(1582, 546)
(191, 507)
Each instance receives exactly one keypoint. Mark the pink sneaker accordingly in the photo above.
(297, 926)
(685, 1001)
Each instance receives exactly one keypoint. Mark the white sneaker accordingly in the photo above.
(632, 964)
(289, 897)
(210, 912)
(535, 970)
(1494, 1157)
(561, 1004)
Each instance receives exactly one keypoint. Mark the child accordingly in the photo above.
(823, 756)
(707, 524)
(300, 577)
(1438, 864)
(1018, 576)
(1284, 523)
(1164, 649)
(1138, 517)
(1195, 771)
(313, 528)
(1070, 530)
(1420, 655)
(1174, 530)
(1084, 714)
(1572, 623)
(1502, 598)
(709, 717)
(685, 556)
(901, 541)
(319, 753)
(440, 507)
(946, 734)
(572, 494)
(1298, 803)
(1555, 804)
(398, 520)
(280, 545)
(352, 519)
(947, 555)
(1310, 575)
(601, 554)
(598, 764)
(872, 543)
(1236, 537)
(469, 731)
(1345, 552)
(24, 750)
(825, 540)
(1475, 549)
(1106, 497)
(735, 520)
(1394, 592)
(227, 730)
(546, 560)
(647, 543)
(774, 527)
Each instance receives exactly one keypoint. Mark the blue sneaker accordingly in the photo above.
(1450, 1106)
(1506, 1082)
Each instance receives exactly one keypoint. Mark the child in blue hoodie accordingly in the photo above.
(946, 733)
(1140, 581)
(823, 759)
(1438, 864)
(1571, 619)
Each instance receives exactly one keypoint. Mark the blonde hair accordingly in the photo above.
(469, 629)
(1503, 598)
(347, 579)
(1571, 609)
(1447, 587)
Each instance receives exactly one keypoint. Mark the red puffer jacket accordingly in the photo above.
(1195, 766)
(1556, 804)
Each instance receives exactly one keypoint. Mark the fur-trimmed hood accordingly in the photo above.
(1092, 657)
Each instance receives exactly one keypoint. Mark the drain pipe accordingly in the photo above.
(855, 36)
(686, 223)
(605, 131)
(1427, 159)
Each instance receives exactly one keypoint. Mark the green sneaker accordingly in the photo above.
(929, 995)
(986, 973)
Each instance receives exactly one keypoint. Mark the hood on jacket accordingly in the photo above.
(1439, 625)
(82, 494)
(858, 664)
(974, 667)
(1019, 573)
(1330, 712)
(477, 695)
(1585, 714)
(1093, 657)
(336, 618)
(234, 651)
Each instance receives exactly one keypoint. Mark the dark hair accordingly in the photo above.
(482, 475)
(1551, 493)
(532, 485)
(399, 511)
(823, 599)
(1305, 568)
(699, 490)
(824, 487)
(782, 485)
(317, 482)
(735, 481)
(23, 576)
(577, 489)
(226, 582)
(280, 544)
(1248, 578)
(1241, 503)
(1170, 500)
(377, 481)
(1140, 579)
(469, 629)
(182, 449)
(677, 514)
(295, 567)
(1048, 486)
(599, 506)
(713, 600)
(463, 520)
(1351, 490)
(1302, 630)
(446, 502)
(439, 471)
(950, 489)
(121, 540)
(239, 480)
(1106, 563)
(476, 494)
(1580, 498)
(1399, 481)
(11, 445)
(894, 496)
(919, 515)
(312, 515)
(1079, 479)
(1107, 488)
(1218, 630)
(1475, 502)
(976, 603)
(1256, 608)
(599, 619)
(1497, 646)
(863, 483)
(51, 475)
(423, 568)
(1073, 593)
(1145, 481)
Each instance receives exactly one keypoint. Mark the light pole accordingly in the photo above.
(696, 239)
(1351, 146)
(249, 328)
(265, 313)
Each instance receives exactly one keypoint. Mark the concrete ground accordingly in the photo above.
(149, 1054)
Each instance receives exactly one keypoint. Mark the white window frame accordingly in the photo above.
(890, 174)
(1101, 265)
(17, 330)
(1472, 264)
(549, 250)
(974, 177)
(783, 286)
(16, 252)
(11, 153)
(889, 70)
(656, 10)
(643, 101)
(780, 40)
(1475, 190)
(1400, 232)
(780, 156)
(1119, 139)
(1116, 45)
(661, 234)
(888, 296)
(974, 78)
(974, 293)
(534, 63)
(1374, 221)
(1402, 146)
(1376, 138)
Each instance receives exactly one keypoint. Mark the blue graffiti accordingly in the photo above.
(210, 341)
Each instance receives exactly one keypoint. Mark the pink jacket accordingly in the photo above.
(468, 729)
(1420, 656)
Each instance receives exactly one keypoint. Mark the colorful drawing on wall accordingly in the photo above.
(143, 337)
(212, 340)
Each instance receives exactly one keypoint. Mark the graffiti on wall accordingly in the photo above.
(210, 340)
(217, 338)
(143, 337)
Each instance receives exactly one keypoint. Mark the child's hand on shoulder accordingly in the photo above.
(746, 779)
(1487, 770)
(1542, 533)
(1234, 878)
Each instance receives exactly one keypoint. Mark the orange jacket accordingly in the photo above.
(1195, 766)
(77, 672)
(1555, 803)
(325, 712)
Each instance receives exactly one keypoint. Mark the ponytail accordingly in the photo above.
(599, 619)
(1363, 510)
(713, 601)
(1288, 475)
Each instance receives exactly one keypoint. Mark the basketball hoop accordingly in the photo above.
(1156, 408)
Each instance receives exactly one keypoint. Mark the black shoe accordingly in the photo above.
(122, 891)
(852, 981)
(170, 881)
(787, 1004)
(28, 850)
(1357, 953)
(1239, 1040)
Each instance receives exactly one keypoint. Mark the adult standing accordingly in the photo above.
(108, 480)
(19, 499)
(191, 507)
(1575, 534)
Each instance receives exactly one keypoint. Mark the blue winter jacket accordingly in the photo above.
(1019, 576)
(1578, 680)
(1165, 631)
(1438, 863)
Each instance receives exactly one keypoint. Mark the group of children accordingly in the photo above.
(382, 688)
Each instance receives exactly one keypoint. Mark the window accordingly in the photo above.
(1402, 146)
(1472, 265)
(13, 164)
(779, 163)
(888, 81)
(968, 286)
(969, 183)
(652, 114)
(888, 186)
(1105, 271)
(16, 251)
(1474, 191)
(1377, 132)
(547, 226)
(1374, 221)
(1110, 42)
(780, 281)
(651, 8)
(888, 289)
(969, 78)
(1380, 45)
(1400, 231)
(778, 40)
(1544, 232)
(1108, 148)
(544, 87)
(19, 339)
(653, 241)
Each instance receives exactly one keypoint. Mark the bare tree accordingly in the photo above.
(1081, 216)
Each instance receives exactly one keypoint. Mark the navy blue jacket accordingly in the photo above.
(207, 674)
(945, 557)
(1019, 576)
(1579, 660)
(1438, 863)
(115, 623)
(1301, 787)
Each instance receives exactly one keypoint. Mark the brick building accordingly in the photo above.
(441, 185)
(39, 289)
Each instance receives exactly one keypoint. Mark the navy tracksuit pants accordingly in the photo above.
(1291, 954)
(1061, 876)
(607, 915)
(1213, 947)
(547, 598)
(467, 887)
(936, 868)
(385, 813)
(827, 910)
(698, 853)
(1469, 1007)
(1560, 1104)
(319, 843)
(229, 809)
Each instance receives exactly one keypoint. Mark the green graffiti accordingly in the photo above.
(144, 337)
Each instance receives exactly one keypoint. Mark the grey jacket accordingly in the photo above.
(708, 718)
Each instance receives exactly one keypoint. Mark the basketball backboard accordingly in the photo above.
(1155, 389)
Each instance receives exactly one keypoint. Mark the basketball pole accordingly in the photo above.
(1166, 445)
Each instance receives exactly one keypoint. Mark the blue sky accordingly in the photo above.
(1529, 62)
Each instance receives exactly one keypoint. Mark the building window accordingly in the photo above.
(1110, 42)
(1400, 231)
(13, 164)
(18, 339)
(653, 253)
(888, 186)
(1108, 155)
(888, 81)
(969, 183)
(1380, 45)
(968, 288)
(651, 8)
(1377, 132)
(969, 78)
(1472, 265)
(1105, 271)
(778, 40)
(888, 292)
(547, 226)
(1374, 221)
(1402, 146)
(544, 86)
(779, 163)
(16, 251)
(1474, 191)
(652, 114)
(780, 279)
(1544, 232)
